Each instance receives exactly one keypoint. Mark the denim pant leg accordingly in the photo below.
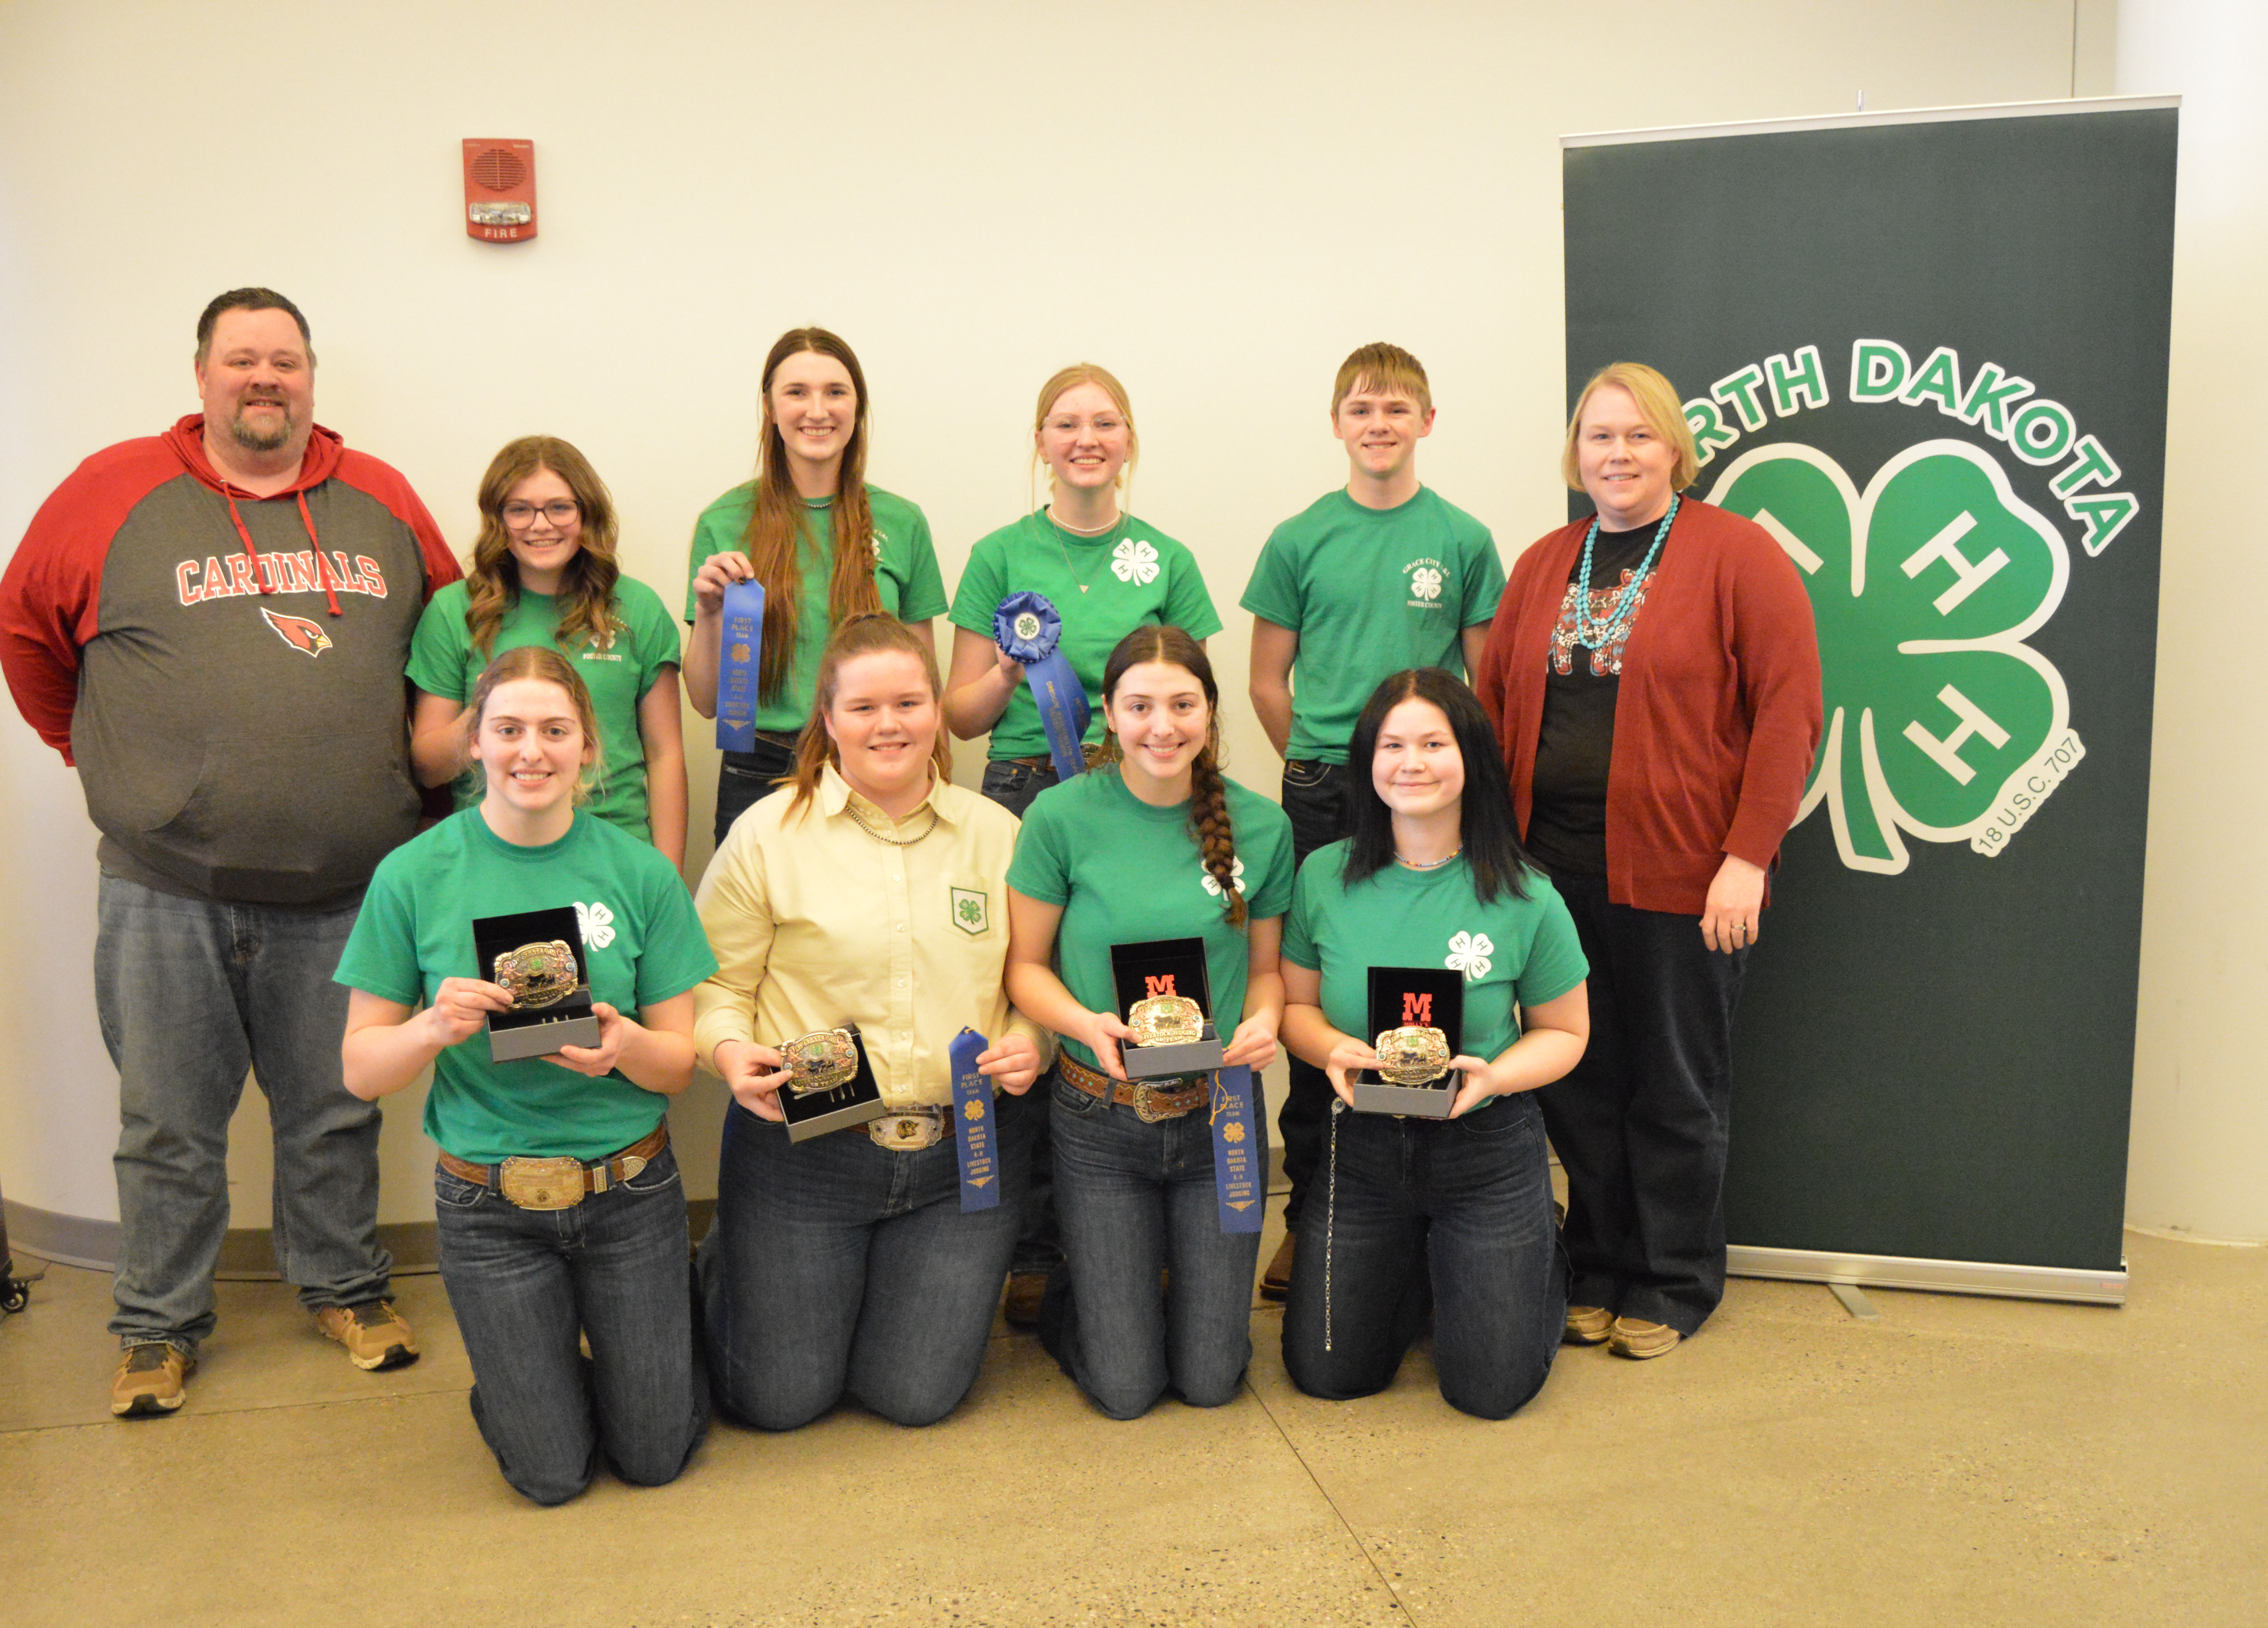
(1643, 1123)
(1315, 798)
(1360, 1287)
(1499, 1279)
(745, 779)
(1137, 1199)
(837, 1267)
(1038, 1247)
(326, 1181)
(933, 1277)
(524, 1283)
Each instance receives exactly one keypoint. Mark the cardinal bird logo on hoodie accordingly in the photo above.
(298, 633)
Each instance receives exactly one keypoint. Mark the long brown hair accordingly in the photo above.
(586, 583)
(1209, 821)
(542, 663)
(779, 522)
(871, 634)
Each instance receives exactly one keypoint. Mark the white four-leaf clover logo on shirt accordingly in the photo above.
(597, 923)
(1134, 561)
(1212, 882)
(1469, 954)
(1426, 583)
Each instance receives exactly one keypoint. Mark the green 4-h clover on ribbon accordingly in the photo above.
(1925, 587)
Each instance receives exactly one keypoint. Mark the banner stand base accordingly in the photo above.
(1900, 1271)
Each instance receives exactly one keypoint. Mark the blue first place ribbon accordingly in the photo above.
(1239, 1169)
(972, 1124)
(1030, 630)
(740, 663)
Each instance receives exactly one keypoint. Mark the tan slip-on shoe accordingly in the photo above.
(1636, 1337)
(1275, 1282)
(374, 1334)
(150, 1380)
(1588, 1325)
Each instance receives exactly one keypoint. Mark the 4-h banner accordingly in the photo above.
(1927, 354)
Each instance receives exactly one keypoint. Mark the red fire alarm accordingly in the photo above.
(500, 190)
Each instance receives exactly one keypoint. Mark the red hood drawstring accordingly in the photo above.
(323, 572)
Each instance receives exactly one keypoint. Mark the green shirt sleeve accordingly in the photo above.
(1274, 591)
(675, 956)
(920, 585)
(723, 525)
(1041, 868)
(1309, 895)
(438, 648)
(652, 635)
(380, 957)
(1188, 605)
(1484, 575)
(981, 589)
(1555, 955)
(1269, 875)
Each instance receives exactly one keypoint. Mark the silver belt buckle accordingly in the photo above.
(1145, 1096)
(908, 1129)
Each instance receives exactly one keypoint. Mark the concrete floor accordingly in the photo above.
(1960, 1461)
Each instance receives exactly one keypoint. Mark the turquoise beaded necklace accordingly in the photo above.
(1590, 632)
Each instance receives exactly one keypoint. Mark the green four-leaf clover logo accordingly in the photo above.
(1925, 587)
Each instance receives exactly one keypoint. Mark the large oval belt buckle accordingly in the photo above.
(555, 1183)
(819, 1061)
(1166, 1021)
(1412, 1056)
(537, 974)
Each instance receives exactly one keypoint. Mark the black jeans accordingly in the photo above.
(1316, 798)
(1642, 1122)
(1038, 1247)
(745, 779)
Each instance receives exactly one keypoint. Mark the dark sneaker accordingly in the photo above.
(373, 1333)
(150, 1381)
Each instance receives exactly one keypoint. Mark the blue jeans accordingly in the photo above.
(1039, 1248)
(1644, 1122)
(745, 779)
(1315, 800)
(189, 995)
(838, 1268)
(1408, 1215)
(524, 1283)
(1137, 1199)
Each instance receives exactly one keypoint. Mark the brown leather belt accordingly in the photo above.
(560, 1183)
(1151, 1103)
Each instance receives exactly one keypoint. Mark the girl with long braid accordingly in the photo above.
(1106, 858)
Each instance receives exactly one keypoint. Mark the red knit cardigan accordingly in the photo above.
(1718, 711)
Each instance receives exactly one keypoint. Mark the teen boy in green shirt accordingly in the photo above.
(1377, 575)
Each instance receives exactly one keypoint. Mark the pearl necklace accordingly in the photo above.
(1590, 632)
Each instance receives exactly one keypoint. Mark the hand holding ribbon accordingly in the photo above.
(1029, 630)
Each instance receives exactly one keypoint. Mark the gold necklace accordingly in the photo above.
(1059, 529)
(880, 836)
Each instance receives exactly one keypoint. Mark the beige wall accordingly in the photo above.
(1217, 199)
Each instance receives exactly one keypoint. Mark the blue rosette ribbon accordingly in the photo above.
(1030, 630)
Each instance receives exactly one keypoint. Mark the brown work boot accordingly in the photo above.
(1588, 1325)
(373, 1333)
(1275, 1282)
(1022, 1306)
(149, 1383)
(1636, 1337)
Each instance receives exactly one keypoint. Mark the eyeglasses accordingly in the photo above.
(558, 512)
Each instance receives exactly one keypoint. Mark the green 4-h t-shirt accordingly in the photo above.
(443, 661)
(906, 577)
(1510, 949)
(1370, 591)
(1103, 588)
(1125, 873)
(642, 944)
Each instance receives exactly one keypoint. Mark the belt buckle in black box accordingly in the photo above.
(1414, 998)
(815, 1112)
(534, 954)
(1164, 970)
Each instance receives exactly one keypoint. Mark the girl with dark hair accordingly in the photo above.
(825, 545)
(844, 1266)
(1154, 842)
(557, 1197)
(544, 572)
(1450, 1215)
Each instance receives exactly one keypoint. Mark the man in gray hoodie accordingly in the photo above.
(212, 626)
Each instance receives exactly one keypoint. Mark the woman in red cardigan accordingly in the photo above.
(1654, 676)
